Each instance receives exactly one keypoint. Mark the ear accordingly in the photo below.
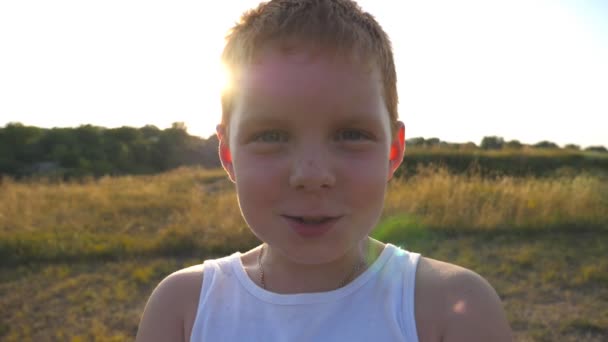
(397, 149)
(224, 151)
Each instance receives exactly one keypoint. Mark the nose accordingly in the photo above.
(311, 173)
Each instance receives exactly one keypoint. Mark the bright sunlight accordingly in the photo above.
(526, 70)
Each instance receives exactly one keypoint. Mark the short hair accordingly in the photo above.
(339, 25)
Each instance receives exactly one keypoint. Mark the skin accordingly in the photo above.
(313, 147)
(312, 134)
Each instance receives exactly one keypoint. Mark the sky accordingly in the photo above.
(528, 70)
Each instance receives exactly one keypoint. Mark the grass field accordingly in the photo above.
(78, 260)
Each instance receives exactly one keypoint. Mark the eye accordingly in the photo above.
(352, 135)
(270, 137)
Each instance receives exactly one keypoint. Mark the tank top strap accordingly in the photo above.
(409, 292)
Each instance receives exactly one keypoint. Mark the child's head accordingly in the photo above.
(339, 27)
(308, 133)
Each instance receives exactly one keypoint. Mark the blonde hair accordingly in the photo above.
(337, 25)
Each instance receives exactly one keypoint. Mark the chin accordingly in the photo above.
(319, 252)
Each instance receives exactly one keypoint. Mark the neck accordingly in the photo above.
(282, 275)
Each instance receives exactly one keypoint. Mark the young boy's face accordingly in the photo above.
(310, 150)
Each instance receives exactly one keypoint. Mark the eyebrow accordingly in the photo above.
(258, 119)
(359, 119)
(262, 120)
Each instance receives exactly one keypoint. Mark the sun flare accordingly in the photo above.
(465, 70)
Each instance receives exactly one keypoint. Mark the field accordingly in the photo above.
(79, 259)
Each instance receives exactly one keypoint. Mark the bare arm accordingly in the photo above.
(474, 311)
(171, 309)
(455, 304)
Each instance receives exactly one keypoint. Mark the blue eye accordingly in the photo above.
(270, 137)
(352, 135)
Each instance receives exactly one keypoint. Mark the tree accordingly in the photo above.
(431, 142)
(545, 144)
(514, 145)
(150, 132)
(209, 152)
(596, 149)
(492, 143)
(179, 126)
(124, 134)
(415, 142)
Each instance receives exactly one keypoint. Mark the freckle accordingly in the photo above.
(460, 307)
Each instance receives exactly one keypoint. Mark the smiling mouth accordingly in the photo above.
(311, 226)
(311, 220)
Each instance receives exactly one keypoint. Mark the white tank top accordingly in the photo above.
(376, 306)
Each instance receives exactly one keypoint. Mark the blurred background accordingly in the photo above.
(110, 180)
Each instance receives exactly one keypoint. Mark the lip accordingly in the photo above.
(310, 230)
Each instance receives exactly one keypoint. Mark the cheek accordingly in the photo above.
(369, 190)
(370, 170)
(258, 186)
(366, 182)
(253, 171)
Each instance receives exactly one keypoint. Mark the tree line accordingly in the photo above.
(97, 151)
(498, 143)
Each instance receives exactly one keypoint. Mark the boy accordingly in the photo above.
(310, 137)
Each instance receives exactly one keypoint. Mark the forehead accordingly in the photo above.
(299, 83)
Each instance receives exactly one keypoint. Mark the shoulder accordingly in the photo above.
(171, 308)
(456, 304)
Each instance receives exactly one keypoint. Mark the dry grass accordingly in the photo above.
(78, 302)
(134, 205)
(117, 217)
(78, 260)
(544, 282)
(442, 200)
(147, 205)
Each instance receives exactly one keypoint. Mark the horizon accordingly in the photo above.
(526, 71)
(477, 143)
